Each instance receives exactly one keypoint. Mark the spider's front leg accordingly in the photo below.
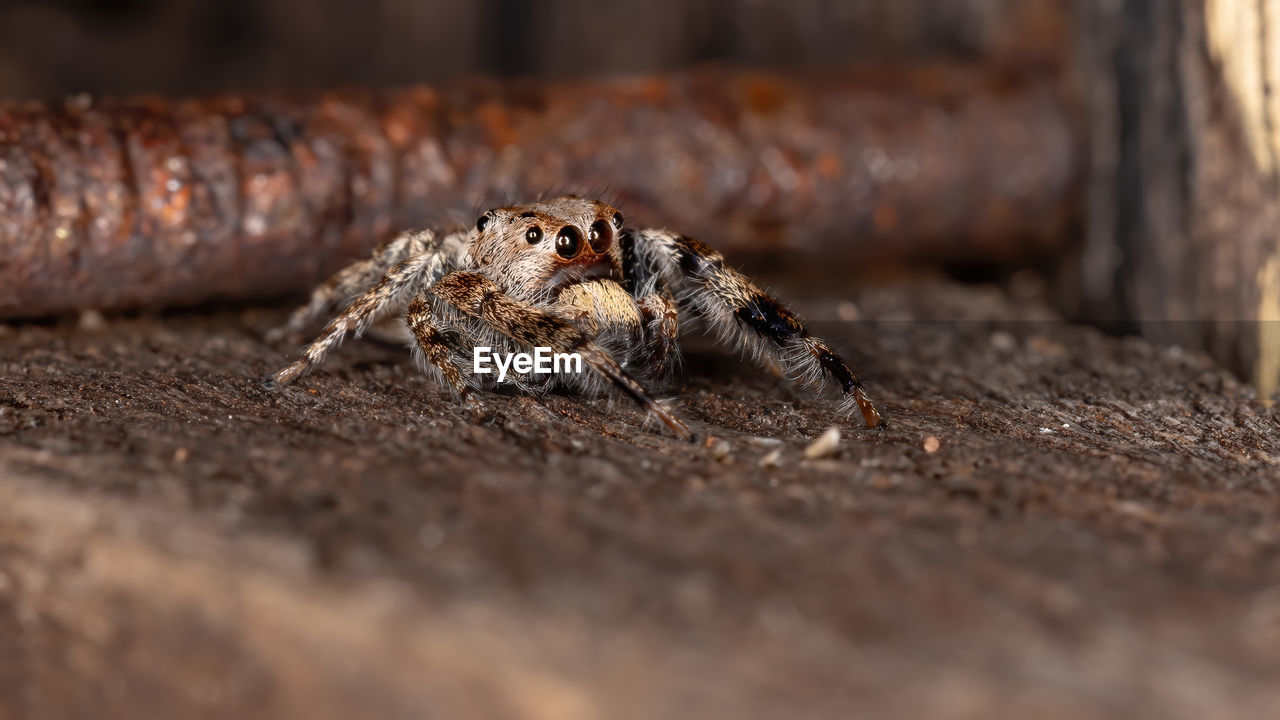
(479, 297)
(743, 313)
(432, 346)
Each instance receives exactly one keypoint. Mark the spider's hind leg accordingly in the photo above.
(741, 313)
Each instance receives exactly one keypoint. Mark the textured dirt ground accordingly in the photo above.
(1095, 534)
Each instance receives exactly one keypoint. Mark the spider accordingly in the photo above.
(562, 274)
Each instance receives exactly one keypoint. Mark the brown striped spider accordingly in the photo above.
(562, 274)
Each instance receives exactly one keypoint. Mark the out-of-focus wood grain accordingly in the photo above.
(1092, 533)
(1184, 200)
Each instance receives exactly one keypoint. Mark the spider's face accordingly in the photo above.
(535, 251)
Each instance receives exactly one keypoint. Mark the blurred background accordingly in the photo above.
(188, 46)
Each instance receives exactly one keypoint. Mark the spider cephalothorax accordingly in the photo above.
(539, 249)
(562, 274)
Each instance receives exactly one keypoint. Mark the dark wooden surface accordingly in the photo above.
(1095, 535)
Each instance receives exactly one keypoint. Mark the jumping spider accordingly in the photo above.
(562, 274)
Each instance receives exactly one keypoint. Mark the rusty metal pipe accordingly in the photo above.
(145, 202)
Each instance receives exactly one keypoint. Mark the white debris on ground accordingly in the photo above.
(825, 446)
(773, 459)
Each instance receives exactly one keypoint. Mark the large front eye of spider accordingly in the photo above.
(567, 241)
(599, 236)
(533, 235)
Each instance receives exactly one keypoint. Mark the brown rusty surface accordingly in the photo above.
(1094, 535)
(112, 204)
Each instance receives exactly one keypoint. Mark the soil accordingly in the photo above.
(1056, 523)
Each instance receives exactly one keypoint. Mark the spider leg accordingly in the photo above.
(661, 317)
(406, 278)
(477, 296)
(658, 309)
(432, 346)
(353, 280)
(744, 314)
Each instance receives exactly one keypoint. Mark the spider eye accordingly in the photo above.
(617, 221)
(567, 241)
(533, 235)
(599, 236)
(483, 222)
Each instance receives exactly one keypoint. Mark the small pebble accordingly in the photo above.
(931, 444)
(1137, 510)
(181, 454)
(847, 311)
(1045, 347)
(92, 321)
(720, 449)
(773, 459)
(1003, 341)
(825, 446)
